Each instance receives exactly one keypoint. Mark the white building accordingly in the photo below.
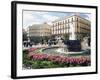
(74, 26)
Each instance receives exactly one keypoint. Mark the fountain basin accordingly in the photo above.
(59, 51)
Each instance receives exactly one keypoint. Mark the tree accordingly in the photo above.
(25, 38)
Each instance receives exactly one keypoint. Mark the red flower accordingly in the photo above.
(62, 59)
(32, 49)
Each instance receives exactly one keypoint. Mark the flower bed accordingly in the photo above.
(32, 49)
(81, 61)
(38, 60)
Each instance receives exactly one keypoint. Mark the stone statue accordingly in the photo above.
(85, 44)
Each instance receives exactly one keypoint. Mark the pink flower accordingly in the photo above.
(62, 59)
(32, 49)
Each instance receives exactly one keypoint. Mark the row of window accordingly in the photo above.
(60, 23)
(39, 30)
(71, 20)
(64, 26)
(60, 29)
(85, 28)
(39, 34)
(55, 25)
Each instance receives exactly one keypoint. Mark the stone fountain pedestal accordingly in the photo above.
(73, 45)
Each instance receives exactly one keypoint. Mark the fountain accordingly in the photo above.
(85, 44)
(72, 31)
(62, 47)
(66, 48)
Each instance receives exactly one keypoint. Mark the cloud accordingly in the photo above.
(40, 13)
(49, 18)
(33, 17)
(28, 19)
(86, 16)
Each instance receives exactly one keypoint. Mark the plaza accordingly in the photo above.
(67, 37)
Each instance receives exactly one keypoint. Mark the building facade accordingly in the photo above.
(74, 27)
(39, 30)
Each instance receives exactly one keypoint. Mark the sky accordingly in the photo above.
(39, 17)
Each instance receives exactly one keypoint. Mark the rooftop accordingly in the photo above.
(69, 17)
